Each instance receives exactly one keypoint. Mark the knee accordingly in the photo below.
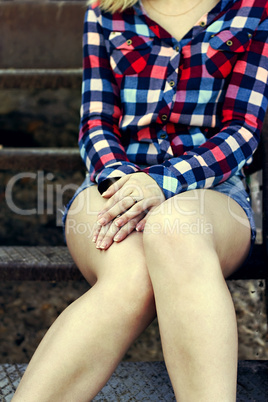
(178, 221)
(130, 290)
(137, 293)
(178, 242)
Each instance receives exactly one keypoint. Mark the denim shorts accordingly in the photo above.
(233, 188)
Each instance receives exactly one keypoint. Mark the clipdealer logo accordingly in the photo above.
(49, 197)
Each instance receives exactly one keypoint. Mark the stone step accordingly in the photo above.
(41, 44)
(54, 263)
(34, 78)
(37, 263)
(149, 381)
(50, 159)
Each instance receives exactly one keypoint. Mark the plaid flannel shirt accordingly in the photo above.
(188, 112)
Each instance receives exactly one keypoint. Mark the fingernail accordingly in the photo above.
(102, 221)
(117, 237)
(138, 228)
(98, 244)
(103, 246)
(94, 239)
(118, 222)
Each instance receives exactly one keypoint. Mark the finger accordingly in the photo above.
(96, 232)
(107, 238)
(127, 216)
(117, 209)
(110, 203)
(102, 233)
(120, 190)
(124, 192)
(115, 187)
(139, 207)
(141, 225)
(127, 229)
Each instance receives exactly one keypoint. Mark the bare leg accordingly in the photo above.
(196, 315)
(85, 344)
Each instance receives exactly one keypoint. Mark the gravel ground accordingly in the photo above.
(28, 309)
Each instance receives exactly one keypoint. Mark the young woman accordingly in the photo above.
(174, 95)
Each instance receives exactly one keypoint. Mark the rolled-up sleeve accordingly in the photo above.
(99, 137)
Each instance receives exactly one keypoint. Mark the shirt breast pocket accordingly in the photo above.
(129, 53)
(224, 49)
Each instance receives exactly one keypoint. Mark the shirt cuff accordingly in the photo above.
(116, 171)
(169, 183)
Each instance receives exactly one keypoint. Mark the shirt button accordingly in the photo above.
(202, 23)
(163, 136)
(171, 83)
(177, 48)
(164, 117)
(129, 42)
(229, 42)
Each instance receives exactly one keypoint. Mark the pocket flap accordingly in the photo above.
(231, 41)
(129, 41)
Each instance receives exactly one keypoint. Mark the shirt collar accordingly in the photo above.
(162, 33)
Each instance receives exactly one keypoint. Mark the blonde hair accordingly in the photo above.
(113, 6)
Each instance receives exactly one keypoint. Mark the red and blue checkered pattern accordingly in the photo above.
(189, 112)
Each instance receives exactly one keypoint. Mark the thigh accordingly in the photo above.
(123, 261)
(231, 230)
(205, 215)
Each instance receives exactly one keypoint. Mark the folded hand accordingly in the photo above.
(128, 202)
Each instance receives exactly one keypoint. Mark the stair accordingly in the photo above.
(149, 381)
(54, 263)
(48, 53)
